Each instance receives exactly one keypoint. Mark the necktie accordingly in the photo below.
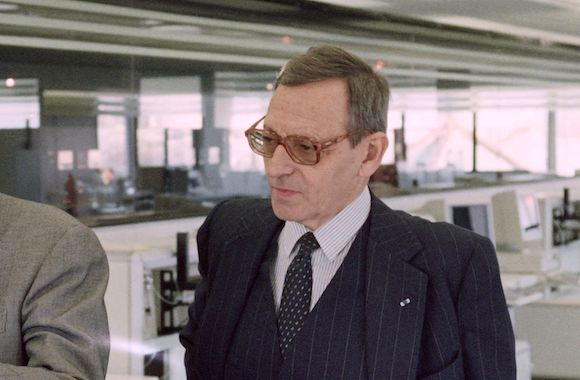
(295, 303)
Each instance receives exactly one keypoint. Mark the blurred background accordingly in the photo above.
(138, 107)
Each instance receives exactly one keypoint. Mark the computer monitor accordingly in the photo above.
(517, 221)
(558, 216)
(474, 217)
(433, 210)
(151, 179)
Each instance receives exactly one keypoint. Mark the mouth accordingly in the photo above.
(283, 192)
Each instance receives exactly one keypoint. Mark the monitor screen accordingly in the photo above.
(517, 221)
(473, 217)
(529, 213)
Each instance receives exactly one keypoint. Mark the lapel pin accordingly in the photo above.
(405, 302)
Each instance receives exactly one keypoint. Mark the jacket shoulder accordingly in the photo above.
(238, 215)
(448, 249)
(441, 233)
(32, 216)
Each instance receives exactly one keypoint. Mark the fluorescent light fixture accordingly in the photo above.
(5, 7)
(356, 4)
(566, 4)
(475, 23)
(177, 28)
(150, 22)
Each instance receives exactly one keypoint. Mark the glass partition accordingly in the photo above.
(142, 113)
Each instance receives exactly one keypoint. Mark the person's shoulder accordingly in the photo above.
(243, 206)
(34, 215)
(447, 249)
(42, 228)
(436, 235)
(421, 225)
(241, 214)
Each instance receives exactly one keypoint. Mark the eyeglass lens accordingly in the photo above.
(300, 149)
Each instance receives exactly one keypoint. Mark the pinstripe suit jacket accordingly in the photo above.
(455, 324)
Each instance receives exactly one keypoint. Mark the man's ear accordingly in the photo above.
(375, 146)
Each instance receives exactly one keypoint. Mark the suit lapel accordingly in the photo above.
(242, 256)
(395, 297)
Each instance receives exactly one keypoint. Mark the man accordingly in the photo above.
(388, 295)
(53, 275)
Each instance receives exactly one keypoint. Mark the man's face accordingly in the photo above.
(311, 195)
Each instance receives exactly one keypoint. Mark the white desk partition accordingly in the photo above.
(551, 327)
(132, 251)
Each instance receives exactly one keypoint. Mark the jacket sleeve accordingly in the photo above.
(188, 335)
(64, 321)
(486, 331)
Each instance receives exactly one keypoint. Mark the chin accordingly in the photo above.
(285, 213)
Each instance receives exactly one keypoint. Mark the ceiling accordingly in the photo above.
(448, 43)
(546, 20)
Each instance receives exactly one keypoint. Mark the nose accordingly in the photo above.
(280, 164)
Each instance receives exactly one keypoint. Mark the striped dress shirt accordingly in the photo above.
(335, 238)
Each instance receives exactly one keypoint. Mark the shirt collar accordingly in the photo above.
(336, 233)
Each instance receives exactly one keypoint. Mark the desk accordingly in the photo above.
(552, 327)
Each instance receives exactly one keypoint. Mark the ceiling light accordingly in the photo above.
(150, 22)
(357, 4)
(566, 4)
(286, 40)
(177, 28)
(10, 82)
(5, 7)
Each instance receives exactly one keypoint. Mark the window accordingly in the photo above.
(113, 147)
(567, 141)
(19, 104)
(512, 139)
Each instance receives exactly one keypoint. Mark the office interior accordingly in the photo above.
(129, 115)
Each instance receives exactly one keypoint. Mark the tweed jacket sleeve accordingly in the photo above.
(53, 322)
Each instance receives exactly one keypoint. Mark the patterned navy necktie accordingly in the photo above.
(297, 292)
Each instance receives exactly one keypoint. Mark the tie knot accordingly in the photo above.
(308, 243)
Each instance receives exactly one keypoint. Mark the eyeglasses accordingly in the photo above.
(301, 149)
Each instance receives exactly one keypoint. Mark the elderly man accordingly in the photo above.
(53, 275)
(324, 281)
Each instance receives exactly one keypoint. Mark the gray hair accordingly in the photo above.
(368, 91)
